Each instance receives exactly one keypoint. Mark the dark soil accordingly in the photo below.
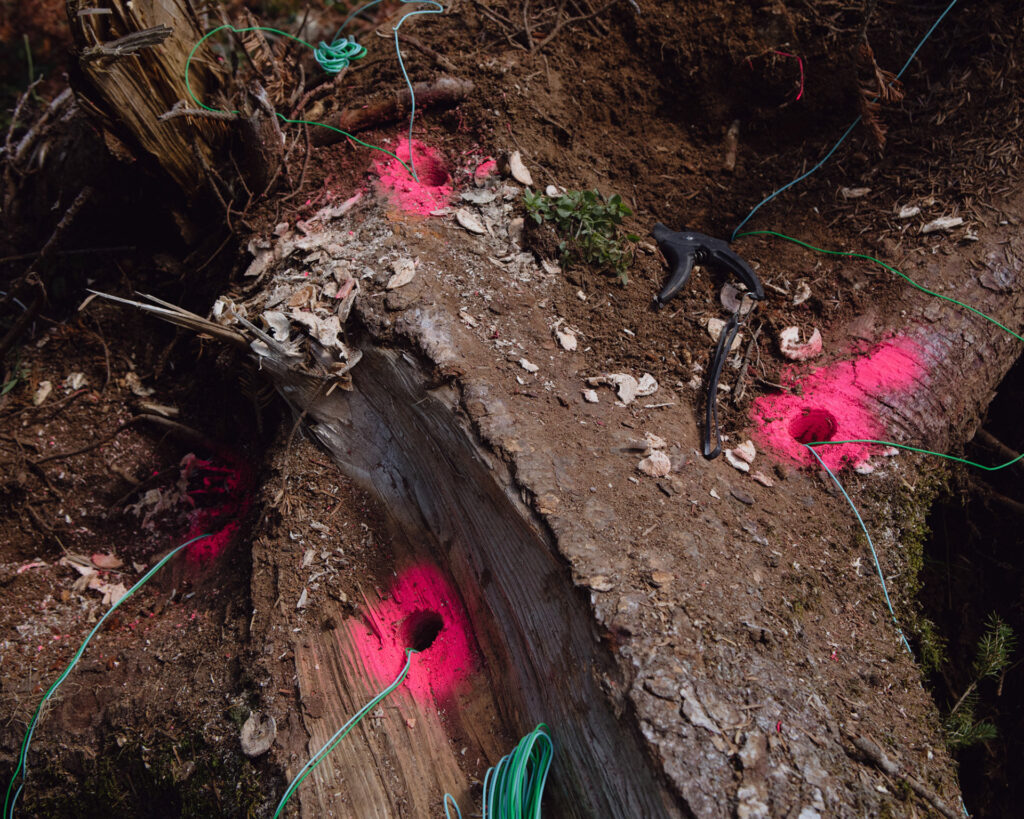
(636, 104)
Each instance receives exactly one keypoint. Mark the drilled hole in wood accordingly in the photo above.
(814, 425)
(421, 629)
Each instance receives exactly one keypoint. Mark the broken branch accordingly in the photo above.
(445, 92)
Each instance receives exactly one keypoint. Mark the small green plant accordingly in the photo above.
(588, 227)
(932, 646)
(19, 372)
(995, 648)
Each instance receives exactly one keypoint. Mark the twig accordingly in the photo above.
(741, 387)
(571, 20)
(94, 445)
(498, 18)
(129, 44)
(179, 109)
(876, 755)
(990, 494)
(987, 439)
(79, 252)
(444, 91)
(438, 58)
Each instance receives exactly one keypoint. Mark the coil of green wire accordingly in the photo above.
(514, 787)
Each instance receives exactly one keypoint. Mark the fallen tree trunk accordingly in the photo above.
(671, 633)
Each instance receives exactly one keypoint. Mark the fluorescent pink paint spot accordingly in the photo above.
(222, 500)
(421, 601)
(835, 403)
(485, 169)
(431, 192)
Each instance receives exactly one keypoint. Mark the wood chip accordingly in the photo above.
(518, 169)
(942, 223)
(470, 221)
(405, 272)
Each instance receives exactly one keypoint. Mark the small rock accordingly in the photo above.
(303, 599)
(714, 493)
(908, 212)
(518, 169)
(42, 393)
(466, 317)
(600, 583)
(590, 396)
(405, 272)
(660, 579)
(551, 268)
(469, 220)
(942, 223)
(566, 339)
(762, 479)
(657, 464)
(529, 366)
(75, 381)
(742, 497)
(551, 190)
(791, 348)
(258, 734)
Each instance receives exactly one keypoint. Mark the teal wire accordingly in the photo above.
(438, 9)
(22, 766)
(341, 733)
(514, 788)
(871, 545)
(339, 54)
(458, 813)
(848, 131)
(975, 464)
(282, 117)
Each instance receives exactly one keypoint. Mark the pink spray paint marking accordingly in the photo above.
(835, 403)
(431, 192)
(225, 493)
(485, 169)
(420, 603)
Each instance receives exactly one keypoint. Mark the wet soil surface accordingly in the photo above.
(633, 103)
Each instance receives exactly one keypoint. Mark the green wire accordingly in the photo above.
(921, 451)
(513, 788)
(871, 545)
(282, 117)
(852, 255)
(342, 732)
(22, 766)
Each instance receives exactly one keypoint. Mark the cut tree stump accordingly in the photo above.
(132, 57)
